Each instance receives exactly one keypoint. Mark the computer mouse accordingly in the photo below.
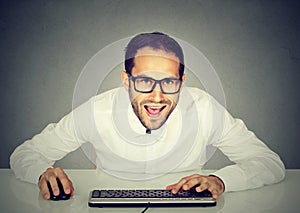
(62, 195)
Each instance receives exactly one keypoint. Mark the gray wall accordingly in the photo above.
(253, 46)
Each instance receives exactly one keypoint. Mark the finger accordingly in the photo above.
(50, 177)
(65, 181)
(44, 189)
(67, 185)
(215, 193)
(203, 186)
(53, 184)
(214, 190)
(184, 180)
(170, 187)
(176, 187)
(192, 182)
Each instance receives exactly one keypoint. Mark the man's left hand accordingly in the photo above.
(212, 183)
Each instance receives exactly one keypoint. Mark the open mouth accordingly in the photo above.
(154, 111)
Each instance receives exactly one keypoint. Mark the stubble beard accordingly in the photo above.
(147, 122)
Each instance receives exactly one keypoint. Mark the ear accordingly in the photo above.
(183, 80)
(125, 80)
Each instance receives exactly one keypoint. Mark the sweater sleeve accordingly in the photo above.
(34, 156)
(255, 163)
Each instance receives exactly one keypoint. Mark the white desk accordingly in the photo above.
(17, 196)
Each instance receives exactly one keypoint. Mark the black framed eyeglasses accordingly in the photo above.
(146, 84)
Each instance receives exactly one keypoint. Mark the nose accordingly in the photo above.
(156, 94)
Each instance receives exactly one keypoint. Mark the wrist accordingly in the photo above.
(220, 181)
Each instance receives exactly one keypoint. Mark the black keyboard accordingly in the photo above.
(150, 198)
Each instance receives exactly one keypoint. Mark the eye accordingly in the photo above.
(145, 81)
(169, 81)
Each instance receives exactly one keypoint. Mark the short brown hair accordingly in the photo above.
(157, 41)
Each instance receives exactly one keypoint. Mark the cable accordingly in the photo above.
(147, 207)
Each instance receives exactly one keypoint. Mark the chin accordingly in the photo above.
(154, 125)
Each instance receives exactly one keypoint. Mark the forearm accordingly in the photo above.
(34, 156)
(256, 164)
(27, 164)
(252, 173)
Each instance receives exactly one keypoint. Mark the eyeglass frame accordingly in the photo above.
(133, 78)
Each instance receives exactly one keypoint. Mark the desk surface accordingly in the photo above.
(17, 196)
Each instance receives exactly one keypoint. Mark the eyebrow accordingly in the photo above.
(143, 75)
(146, 76)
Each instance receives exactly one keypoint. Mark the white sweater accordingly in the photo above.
(194, 130)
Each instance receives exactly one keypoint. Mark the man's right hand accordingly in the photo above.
(50, 176)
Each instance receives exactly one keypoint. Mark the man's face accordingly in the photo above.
(154, 108)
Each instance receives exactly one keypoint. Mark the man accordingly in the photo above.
(154, 80)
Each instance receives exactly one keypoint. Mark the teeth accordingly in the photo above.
(154, 111)
(155, 107)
